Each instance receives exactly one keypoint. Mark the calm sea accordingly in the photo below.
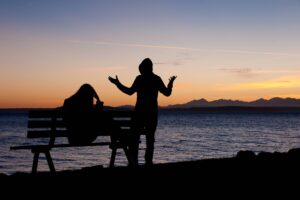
(180, 136)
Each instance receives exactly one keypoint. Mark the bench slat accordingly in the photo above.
(45, 124)
(47, 113)
(46, 133)
(61, 123)
(118, 113)
(58, 145)
(123, 123)
(64, 133)
(44, 113)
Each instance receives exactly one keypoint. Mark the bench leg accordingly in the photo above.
(35, 162)
(113, 157)
(129, 157)
(50, 162)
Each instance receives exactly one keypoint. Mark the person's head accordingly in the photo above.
(86, 92)
(146, 67)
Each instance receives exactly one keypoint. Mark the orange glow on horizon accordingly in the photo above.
(58, 102)
(32, 95)
(38, 94)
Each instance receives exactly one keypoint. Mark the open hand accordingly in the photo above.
(171, 80)
(114, 80)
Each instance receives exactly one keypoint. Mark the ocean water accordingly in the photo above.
(180, 136)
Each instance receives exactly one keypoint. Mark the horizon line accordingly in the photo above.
(159, 106)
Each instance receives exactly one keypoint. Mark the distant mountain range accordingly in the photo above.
(274, 102)
(227, 104)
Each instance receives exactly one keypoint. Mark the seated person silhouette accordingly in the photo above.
(146, 85)
(82, 117)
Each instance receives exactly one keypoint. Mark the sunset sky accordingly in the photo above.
(230, 49)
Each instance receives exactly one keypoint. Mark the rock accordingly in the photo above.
(245, 155)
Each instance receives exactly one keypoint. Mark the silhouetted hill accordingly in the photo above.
(274, 102)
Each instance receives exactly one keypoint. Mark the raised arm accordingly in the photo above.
(167, 91)
(126, 90)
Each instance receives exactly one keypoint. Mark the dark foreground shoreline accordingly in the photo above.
(245, 166)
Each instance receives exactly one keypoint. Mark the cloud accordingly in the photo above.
(181, 59)
(111, 69)
(281, 83)
(250, 52)
(247, 72)
(171, 47)
(160, 63)
(280, 71)
(173, 63)
(99, 69)
(241, 72)
(130, 45)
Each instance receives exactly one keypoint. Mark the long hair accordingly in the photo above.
(84, 96)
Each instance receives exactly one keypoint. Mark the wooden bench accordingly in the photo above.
(49, 124)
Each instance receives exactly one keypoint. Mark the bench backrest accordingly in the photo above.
(48, 123)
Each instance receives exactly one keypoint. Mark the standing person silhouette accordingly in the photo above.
(146, 85)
